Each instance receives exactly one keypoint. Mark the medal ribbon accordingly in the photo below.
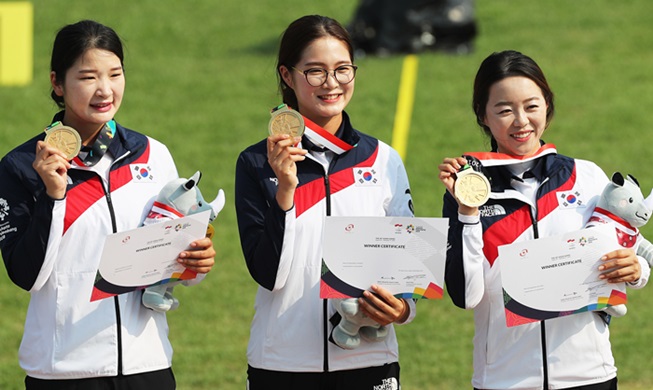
(317, 135)
(492, 159)
(100, 146)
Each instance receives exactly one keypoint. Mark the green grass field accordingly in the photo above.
(200, 78)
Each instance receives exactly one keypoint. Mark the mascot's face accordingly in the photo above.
(624, 199)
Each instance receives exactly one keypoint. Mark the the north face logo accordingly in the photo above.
(491, 210)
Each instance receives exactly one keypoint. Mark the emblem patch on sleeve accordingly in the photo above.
(4, 209)
(5, 227)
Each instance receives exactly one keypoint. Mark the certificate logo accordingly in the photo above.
(349, 227)
(410, 229)
(180, 226)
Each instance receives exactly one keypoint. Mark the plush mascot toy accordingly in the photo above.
(178, 198)
(354, 325)
(622, 203)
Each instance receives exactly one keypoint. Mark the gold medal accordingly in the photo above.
(285, 120)
(64, 138)
(471, 188)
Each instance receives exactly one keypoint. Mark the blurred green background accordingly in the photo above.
(201, 79)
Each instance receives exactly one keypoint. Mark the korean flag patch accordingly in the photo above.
(569, 199)
(142, 173)
(367, 176)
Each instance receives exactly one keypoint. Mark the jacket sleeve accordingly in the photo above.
(261, 223)
(400, 202)
(26, 221)
(645, 274)
(465, 264)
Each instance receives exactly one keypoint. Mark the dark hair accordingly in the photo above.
(297, 37)
(73, 40)
(498, 66)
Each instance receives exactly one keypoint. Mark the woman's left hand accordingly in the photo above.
(200, 258)
(620, 266)
(383, 307)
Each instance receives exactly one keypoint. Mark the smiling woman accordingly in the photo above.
(285, 188)
(93, 87)
(513, 104)
(59, 208)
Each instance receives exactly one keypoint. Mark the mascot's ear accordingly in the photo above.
(618, 179)
(632, 178)
(193, 181)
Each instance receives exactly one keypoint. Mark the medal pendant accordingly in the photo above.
(471, 188)
(64, 138)
(285, 120)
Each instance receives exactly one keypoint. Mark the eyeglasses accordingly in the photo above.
(316, 77)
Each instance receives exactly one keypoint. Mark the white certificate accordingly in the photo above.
(147, 256)
(558, 276)
(404, 255)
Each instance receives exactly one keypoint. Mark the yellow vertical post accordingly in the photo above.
(405, 104)
(16, 42)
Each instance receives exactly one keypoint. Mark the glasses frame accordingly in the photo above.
(326, 73)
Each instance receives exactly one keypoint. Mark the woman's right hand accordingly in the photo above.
(51, 165)
(448, 169)
(282, 156)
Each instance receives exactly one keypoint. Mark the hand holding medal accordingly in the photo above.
(471, 188)
(283, 152)
(53, 167)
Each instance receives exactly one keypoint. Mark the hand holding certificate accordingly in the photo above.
(404, 255)
(147, 256)
(558, 276)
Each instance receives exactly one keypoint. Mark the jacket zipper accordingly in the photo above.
(545, 362)
(327, 197)
(116, 302)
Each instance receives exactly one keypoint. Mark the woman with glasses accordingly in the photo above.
(286, 185)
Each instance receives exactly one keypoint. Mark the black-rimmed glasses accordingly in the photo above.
(316, 77)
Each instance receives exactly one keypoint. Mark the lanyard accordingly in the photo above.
(322, 138)
(90, 156)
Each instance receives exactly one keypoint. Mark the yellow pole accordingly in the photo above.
(405, 104)
(16, 42)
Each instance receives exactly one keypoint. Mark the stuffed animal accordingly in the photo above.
(178, 198)
(622, 203)
(354, 325)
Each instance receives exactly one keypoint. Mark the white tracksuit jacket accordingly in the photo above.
(556, 353)
(52, 249)
(283, 250)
